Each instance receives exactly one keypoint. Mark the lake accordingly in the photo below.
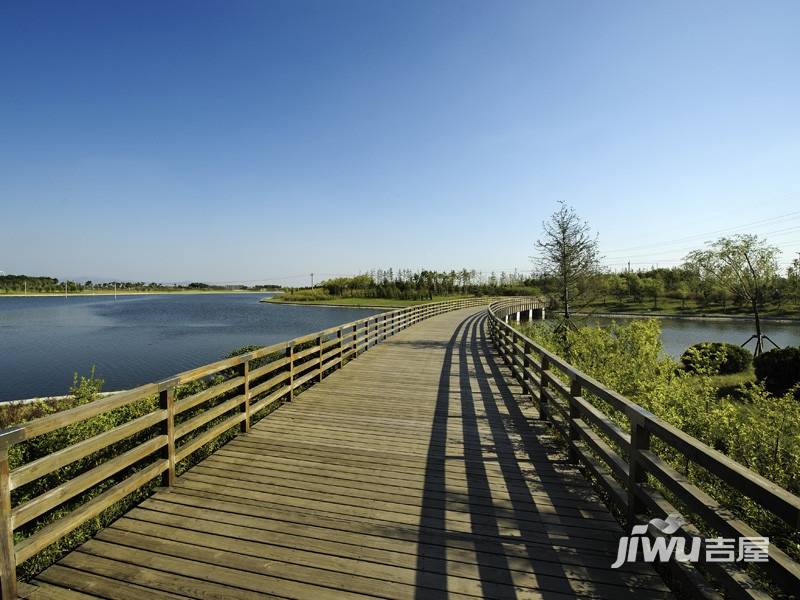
(678, 334)
(138, 339)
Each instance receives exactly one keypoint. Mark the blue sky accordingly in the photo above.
(252, 140)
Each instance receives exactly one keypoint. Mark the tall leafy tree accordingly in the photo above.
(568, 252)
(746, 266)
(793, 279)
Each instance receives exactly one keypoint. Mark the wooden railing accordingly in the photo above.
(616, 441)
(229, 393)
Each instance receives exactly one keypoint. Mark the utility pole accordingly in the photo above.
(115, 290)
(65, 289)
(312, 280)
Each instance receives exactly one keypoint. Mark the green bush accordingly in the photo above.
(716, 358)
(779, 369)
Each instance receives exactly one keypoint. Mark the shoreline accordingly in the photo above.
(711, 317)
(111, 293)
(23, 401)
(372, 306)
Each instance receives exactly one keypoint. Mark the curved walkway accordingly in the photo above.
(416, 471)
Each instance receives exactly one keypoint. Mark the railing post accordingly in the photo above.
(526, 349)
(244, 426)
(355, 341)
(319, 343)
(543, 387)
(290, 355)
(341, 347)
(166, 401)
(8, 559)
(640, 440)
(574, 413)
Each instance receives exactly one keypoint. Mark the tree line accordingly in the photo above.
(682, 284)
(18, 284)
(407, 284)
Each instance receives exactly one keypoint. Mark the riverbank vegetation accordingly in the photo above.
(742, 419)
(678, 291)
(32, 286)
(324, 299)
(403, 287)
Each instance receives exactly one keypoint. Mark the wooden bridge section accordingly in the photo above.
(423, 469)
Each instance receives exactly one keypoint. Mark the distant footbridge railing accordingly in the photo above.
(620, 445)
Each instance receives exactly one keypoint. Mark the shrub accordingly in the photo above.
(779, 369)
(716, 358)
(307, 295)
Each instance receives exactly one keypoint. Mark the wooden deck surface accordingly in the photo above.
(413, 472)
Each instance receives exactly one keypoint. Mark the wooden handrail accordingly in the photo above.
(600, 444)
(235, 389)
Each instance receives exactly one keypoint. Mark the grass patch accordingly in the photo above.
(733, 384)
(672, 306)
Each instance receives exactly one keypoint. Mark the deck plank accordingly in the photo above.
(416, 471)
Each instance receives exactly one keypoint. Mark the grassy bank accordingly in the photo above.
(355, 302)
(688, 308)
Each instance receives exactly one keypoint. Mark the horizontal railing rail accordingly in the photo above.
(622, 457)
(170, 421)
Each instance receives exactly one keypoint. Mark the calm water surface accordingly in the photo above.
(138, 339)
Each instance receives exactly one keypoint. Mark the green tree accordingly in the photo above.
(653, 288)
(635, 287)
(744, 265)
(720, 295)
(618, 287)
(682, 293)
(793, 280)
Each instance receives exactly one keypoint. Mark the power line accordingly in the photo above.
(659, 247)
(788, 216)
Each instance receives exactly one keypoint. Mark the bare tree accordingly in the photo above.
(744, 265)
(569, 253)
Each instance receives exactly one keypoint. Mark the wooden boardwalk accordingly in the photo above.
(416, 471)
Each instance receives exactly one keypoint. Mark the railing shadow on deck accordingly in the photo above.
(115, 450)
(496, 524)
